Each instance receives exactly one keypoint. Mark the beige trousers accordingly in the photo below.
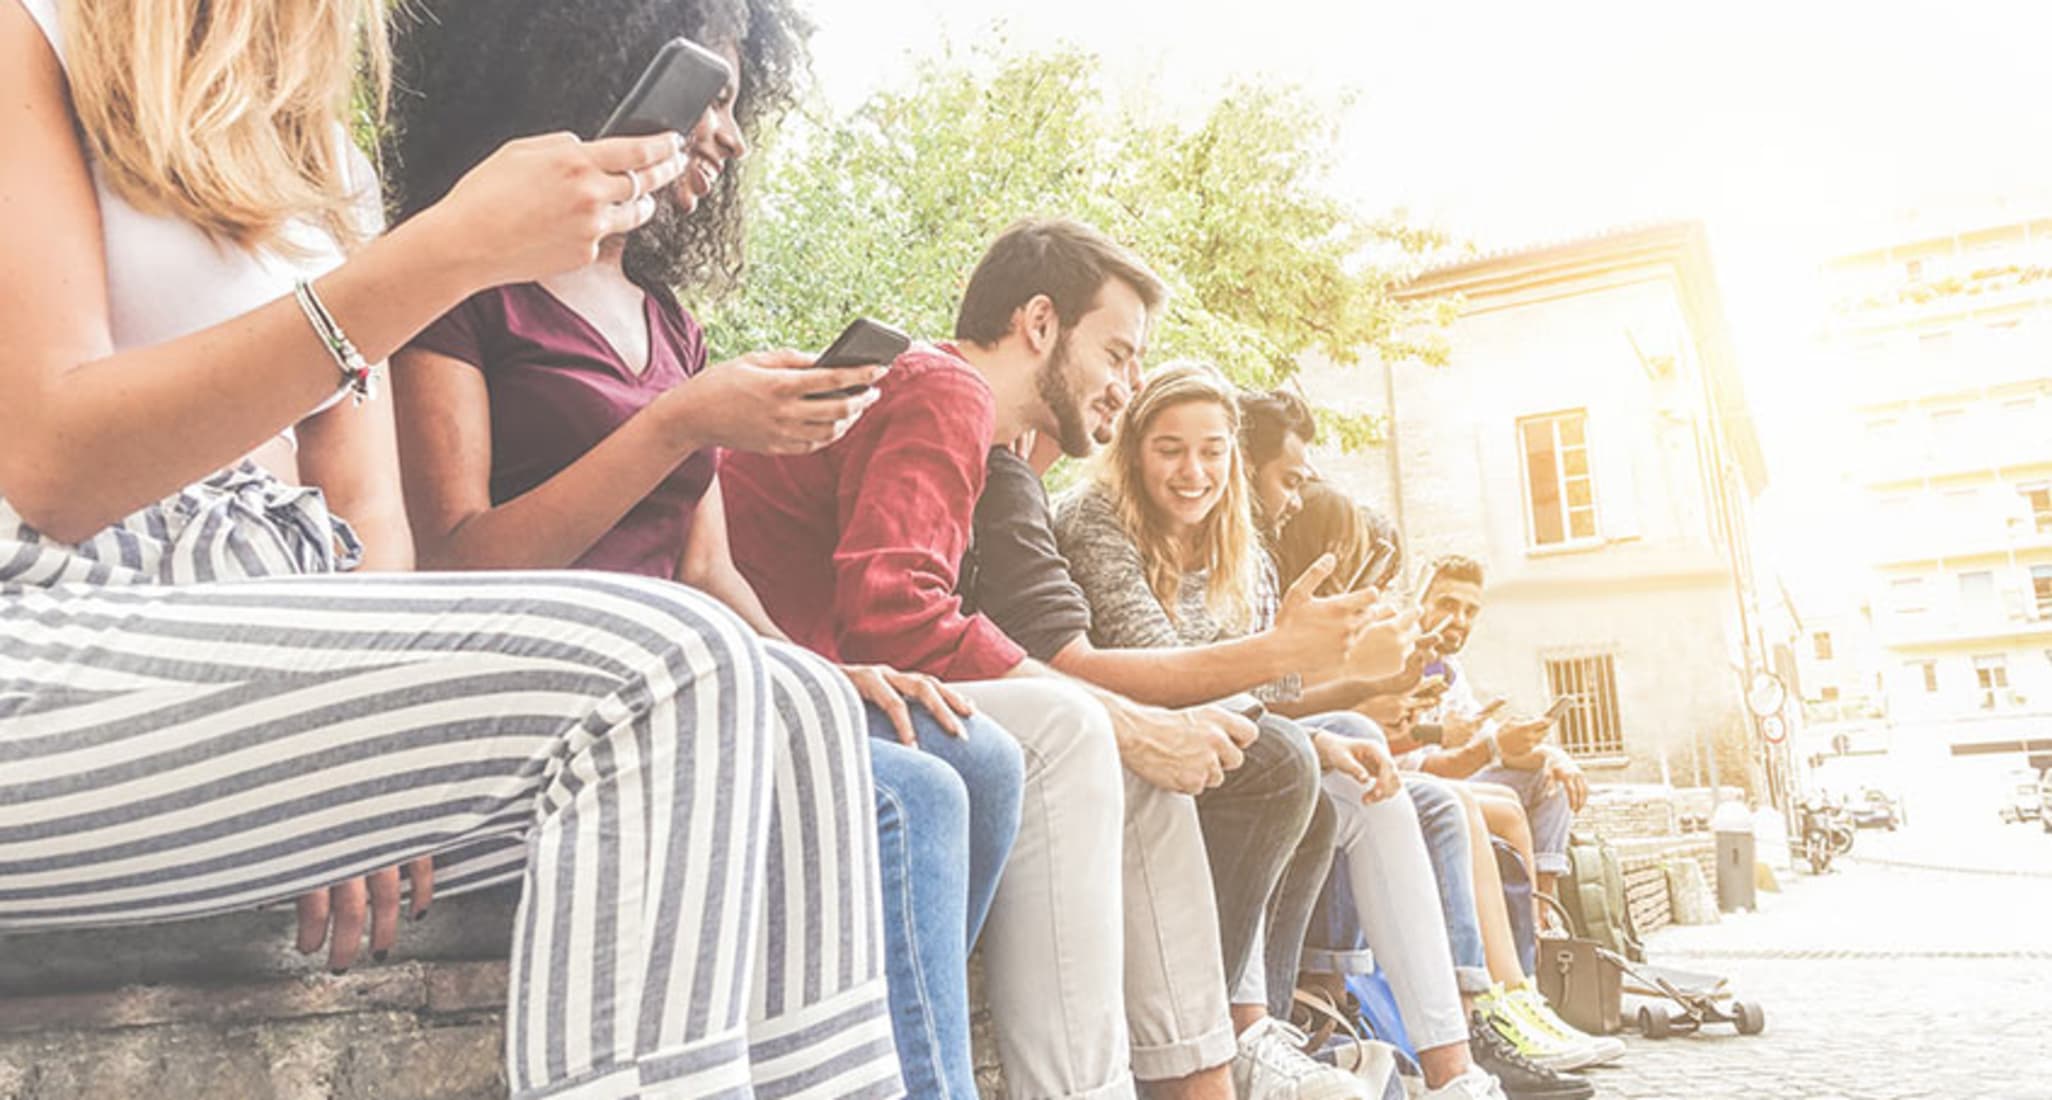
(1102, 947)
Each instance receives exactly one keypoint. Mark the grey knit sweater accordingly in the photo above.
(1124, 613)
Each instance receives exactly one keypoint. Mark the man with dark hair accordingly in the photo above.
(1277, 429)
(1474, 746)
(855, 550)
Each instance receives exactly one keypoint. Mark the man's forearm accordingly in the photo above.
(1462, 762)
(1176, 677)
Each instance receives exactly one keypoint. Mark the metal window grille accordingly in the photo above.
(1592, 727)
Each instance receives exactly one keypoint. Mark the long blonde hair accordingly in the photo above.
(233, 115)
(1225, 541)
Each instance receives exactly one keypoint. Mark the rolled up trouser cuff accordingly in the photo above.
(1472, 979)
(1169, 1061)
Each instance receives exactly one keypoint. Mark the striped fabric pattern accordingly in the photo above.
(182, 734)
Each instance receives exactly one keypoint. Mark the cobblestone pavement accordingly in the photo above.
(1880, 982)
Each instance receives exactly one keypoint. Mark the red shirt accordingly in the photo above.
(854, 549)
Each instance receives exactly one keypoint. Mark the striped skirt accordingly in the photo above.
(689, 812)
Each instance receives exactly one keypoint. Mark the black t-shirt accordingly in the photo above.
(1012, 573)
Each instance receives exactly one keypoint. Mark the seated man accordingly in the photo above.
(1317, 522)
(1474, 746)
(1106, 900)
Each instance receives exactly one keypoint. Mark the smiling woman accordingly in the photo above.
(471, 75)
(1175, 474)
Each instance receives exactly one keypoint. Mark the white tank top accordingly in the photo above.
(167, 278)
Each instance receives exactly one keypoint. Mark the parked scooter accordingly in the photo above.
(1821, 833)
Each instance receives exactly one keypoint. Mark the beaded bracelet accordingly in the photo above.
(356, 374)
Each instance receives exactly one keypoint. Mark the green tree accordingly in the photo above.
(885, 211)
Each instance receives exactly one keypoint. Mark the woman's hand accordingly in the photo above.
(1366, 762)
(336, 915)
(539, 206)
(888, 689)
(763, 402)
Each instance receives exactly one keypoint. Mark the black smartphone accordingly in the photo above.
(672, 93)
(863, 342)
(1374, 566)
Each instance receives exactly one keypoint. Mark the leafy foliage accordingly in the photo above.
(884, 212)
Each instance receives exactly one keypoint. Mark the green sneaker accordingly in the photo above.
(1501, 1011)
(1535, 1008)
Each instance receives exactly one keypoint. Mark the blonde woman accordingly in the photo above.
(1162, 541)
(200, 713)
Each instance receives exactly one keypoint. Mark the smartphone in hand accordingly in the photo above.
(1561, 705)
(1373, 567)
(863, 342)
(672, 93)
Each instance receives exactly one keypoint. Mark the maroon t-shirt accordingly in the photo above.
(557, 388)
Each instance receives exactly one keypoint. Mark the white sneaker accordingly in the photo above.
(1604, 1048)
(1472, 1085)
(1272, 1065)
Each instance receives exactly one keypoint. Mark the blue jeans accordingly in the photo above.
(1547, 811)
(1444, 821)
(945, 817)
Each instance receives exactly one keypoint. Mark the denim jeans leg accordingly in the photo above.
(1253, 825)
(1547, 810)
(993, 769)
(1444, 819)
(1290, 910)
(922, 822)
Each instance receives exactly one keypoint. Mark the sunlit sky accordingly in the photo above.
(1791, 129)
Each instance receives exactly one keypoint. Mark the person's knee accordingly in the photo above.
(1440, 810)
(1281, 769)
(922, 792)
(1350, 724)
(1071, 749)
(990, 759)
(1493, 792)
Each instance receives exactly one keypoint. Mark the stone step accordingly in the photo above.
(225, 1008)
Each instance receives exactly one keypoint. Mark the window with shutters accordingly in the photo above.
(1592, 726)
(1560, 483)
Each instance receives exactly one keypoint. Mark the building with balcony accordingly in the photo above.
(1589, 442)
(1943, 342)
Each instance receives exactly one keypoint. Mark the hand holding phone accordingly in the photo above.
(672, 93)
(1374, 566)
(862, 343)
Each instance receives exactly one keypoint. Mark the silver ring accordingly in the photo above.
(635, 179)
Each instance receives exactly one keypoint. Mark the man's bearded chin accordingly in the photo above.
(1052, 383)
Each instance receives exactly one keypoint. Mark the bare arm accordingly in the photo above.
(349, 453)
(445, 428)
(708, 565)
(1458, 763)
(1177, 677)
(754, 403)
(88, 434)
